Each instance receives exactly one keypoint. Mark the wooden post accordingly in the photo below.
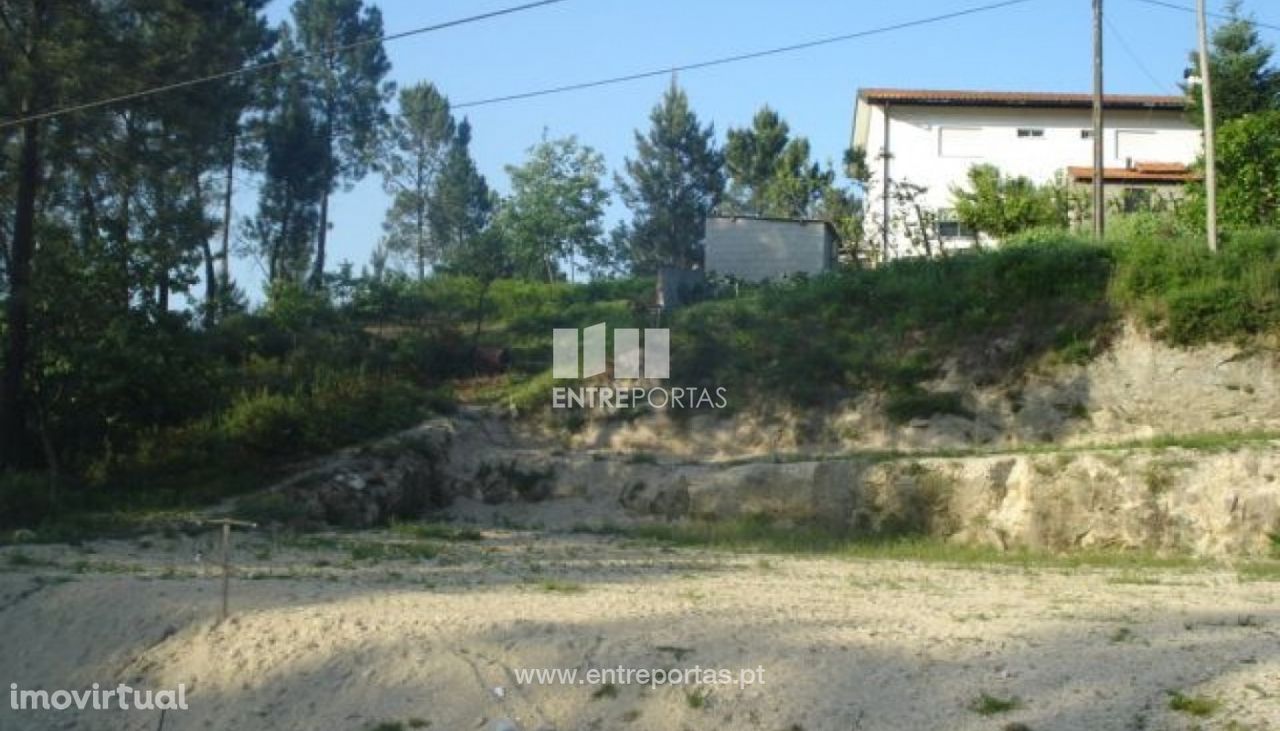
(884, 192)
(1210, 147)
(226, 524)
(226, 570)
(1099, 142)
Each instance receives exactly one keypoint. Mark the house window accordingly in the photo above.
(1136, 200)
(1031, 133)
(960, 142)
(950, 227)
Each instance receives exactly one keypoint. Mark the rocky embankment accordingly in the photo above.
(1044, 463)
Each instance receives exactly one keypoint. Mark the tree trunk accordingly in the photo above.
(224, 256)
(14, 440)
(317, 272)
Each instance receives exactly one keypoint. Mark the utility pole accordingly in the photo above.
(1099, 146)
(1210, 147)
(885, 155)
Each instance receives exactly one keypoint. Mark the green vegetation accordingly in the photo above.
(608, 690)
(437, 531)
(761, 535)
(309, 373)
(697, 698)
(381, 551)
(1195, 705)
(557, 586)
(989, 705)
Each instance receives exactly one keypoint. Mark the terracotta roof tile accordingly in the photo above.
(1168, 173)
(1018, 99)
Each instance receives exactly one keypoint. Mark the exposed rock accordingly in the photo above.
(404, 475)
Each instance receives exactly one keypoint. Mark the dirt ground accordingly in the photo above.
(350, 631)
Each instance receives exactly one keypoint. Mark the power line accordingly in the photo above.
(58, 111)
(1188, 9)
(741, 56)
(1137, 60)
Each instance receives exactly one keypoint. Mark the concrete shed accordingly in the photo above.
(754, 249)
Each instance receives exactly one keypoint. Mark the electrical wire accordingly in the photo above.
(1137, 60)
(1187, 9)
(804, 45)
(387, 38)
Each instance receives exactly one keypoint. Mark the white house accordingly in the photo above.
(930, 139)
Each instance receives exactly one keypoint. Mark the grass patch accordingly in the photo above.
(1121, 635)
(380, 551)
(990, 705)
(1195, 705)
(760, 536)
(906, 405)
(436, 531)
(1259, 571)
(557, 586)
(697, 698)
(21, 559)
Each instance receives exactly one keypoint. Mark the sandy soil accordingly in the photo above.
(323, 637)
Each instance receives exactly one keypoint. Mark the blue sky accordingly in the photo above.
(1041, 45)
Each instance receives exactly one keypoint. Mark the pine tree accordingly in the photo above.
(1240, 63)
(292, 139)
(348, 95)
(461, 205)
(769, 171)
(421, 137)
(675, 180)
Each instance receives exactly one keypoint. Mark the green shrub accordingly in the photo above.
(903, 406)
(25, 499)
(1190, 296)
(267, 423)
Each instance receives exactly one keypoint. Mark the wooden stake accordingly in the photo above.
(226, 524)
(226, 570)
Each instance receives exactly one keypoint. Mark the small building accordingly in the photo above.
(1138, 187)
(754, 248)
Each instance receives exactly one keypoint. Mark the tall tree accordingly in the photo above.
(770, 173)
(293, 186)
(418, 146)
(44, 45)
(1244, 80)
(245, 39)
(349, 95)
(556, 208)
(675, 180)
(461, 205)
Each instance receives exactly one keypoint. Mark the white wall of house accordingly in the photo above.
(934, 146)
(756, 249)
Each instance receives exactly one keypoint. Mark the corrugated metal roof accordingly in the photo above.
(1017, 99)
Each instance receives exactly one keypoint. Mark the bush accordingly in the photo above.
(25, 499)
(267, 424)
(903, 406)
(1191, 296)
